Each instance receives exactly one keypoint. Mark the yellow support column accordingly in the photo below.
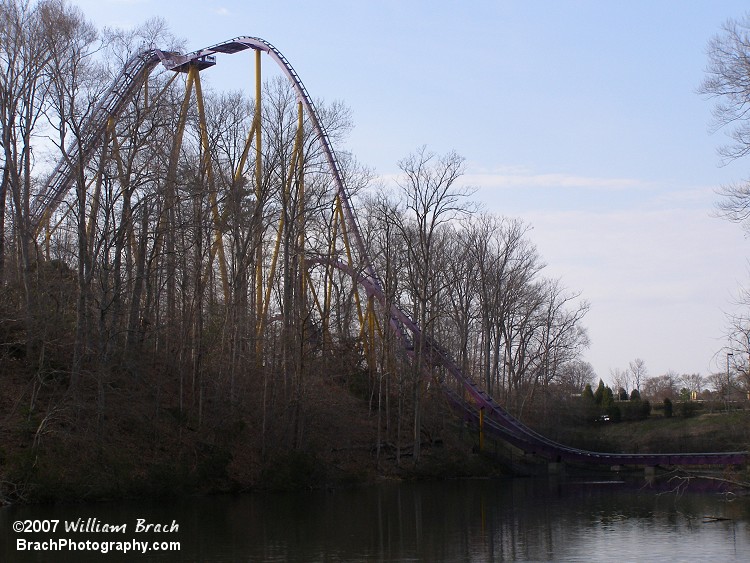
(371, 332)
(296, 156)
(259, 304)
(109, 132)
(300, 173)
(47, 237)
(328, 289)
(219, 240)
(175, 152)
(349, 258)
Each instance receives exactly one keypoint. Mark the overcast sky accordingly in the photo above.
(580, 117)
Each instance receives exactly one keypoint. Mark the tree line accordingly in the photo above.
(189, 273)
(635, 381)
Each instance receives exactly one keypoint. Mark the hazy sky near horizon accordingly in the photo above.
(580, 117)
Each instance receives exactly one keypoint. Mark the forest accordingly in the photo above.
(176, 319)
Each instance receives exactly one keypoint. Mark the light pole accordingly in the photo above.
(726, 392)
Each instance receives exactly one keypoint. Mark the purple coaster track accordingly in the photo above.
(497, 420)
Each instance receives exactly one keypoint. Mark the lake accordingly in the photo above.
(541, 519)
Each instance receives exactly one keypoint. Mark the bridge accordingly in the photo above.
(339, 247)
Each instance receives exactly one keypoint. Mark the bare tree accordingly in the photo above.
(621, 379)
(431, 199)
(562, 338)
(728, 83)
(508, 298)
(24, 81)
(722, 384)
(638, 373)
(74, 85)
(693, 382)
(660, 387)
(575, 375)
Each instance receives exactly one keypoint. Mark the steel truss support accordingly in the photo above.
(166, 230)
(99, 134)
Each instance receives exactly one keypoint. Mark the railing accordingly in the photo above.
(111, 103)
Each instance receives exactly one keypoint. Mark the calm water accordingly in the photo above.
(504, 520)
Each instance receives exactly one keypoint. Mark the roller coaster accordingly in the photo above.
(466, 398)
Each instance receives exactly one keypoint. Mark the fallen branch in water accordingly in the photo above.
(683, 477)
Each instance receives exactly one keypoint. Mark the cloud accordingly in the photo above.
(627, 250)
(519, 178)
(658, 280)
(657, 267)
(222, 11)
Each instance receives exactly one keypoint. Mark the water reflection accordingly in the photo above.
(512, 520)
